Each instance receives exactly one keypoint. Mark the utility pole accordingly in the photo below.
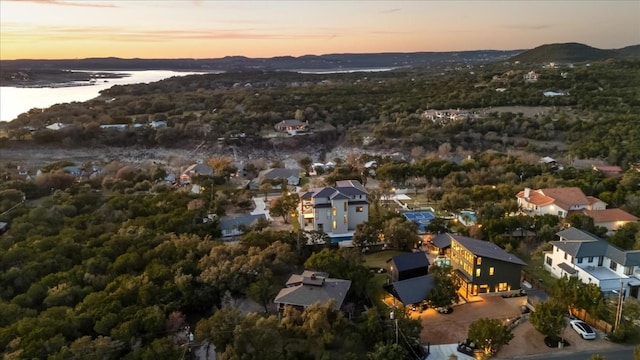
(392, 317)
(619, 307)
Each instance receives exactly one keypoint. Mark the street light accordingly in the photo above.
(392, 317)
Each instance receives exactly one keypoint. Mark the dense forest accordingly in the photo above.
(118, 266)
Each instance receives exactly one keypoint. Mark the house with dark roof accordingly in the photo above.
(312, 287)
(195, 170)
(594, 260)
(236, 226)
(557, 201)
(291, 176)
(334, 210)
(483, 267)
(411, 291)
(409, 265)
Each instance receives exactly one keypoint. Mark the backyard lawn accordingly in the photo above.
(379, 259)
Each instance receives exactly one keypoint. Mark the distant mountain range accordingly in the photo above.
(574, 53)
(306, 62)
(568, 52)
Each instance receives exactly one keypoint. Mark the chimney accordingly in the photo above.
(527, 192)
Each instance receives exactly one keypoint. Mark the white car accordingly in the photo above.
(583, 329)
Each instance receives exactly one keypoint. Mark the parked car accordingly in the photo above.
(583, 329)
(444, 309)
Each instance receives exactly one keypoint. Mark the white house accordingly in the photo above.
(594, 260)
(557, 201)
(335, 210)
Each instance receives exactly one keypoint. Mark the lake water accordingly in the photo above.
(15, 101)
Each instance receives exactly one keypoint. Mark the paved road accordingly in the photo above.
(618, 353)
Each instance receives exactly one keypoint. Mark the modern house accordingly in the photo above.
(482, 266)
(557, 201)
(335, 210)
(312, 287)
(236, 226)
(594, 260)
(612, 219)
(409, 265)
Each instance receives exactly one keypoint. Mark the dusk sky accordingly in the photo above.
(65, 29)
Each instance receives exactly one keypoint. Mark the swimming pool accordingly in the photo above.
(467, 217)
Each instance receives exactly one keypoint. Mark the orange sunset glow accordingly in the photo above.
(57, 29)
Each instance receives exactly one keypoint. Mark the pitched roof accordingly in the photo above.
(409, 261)
(200, 169)
(306, 294)
(566, 197)
(411, 291)
(350, 184)
(442, 241)
(536, 198)
(296, 279)
(579, 243)
(610, 215)
(486, 249)
(281, 173)
(347, 188)
(562, 197)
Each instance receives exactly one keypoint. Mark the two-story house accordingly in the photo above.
(594, 260)
(482, 266)
(335, 210)
(557, 201)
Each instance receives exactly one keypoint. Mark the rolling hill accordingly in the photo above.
(574, 53)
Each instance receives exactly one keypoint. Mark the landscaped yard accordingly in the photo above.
(379, 259)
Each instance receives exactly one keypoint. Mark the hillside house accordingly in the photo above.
(292, 127)
(195, 170)
(556, 201)
(612, 219)
(608, 170)
(531, 76)
(312, 287)
(482, 266)
(335, 210)
(594, 260)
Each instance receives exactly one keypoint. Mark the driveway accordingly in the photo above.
(438, 329)
(452, 328)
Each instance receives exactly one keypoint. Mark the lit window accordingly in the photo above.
(359, 209)
(335, 224)
(335, 211)
(491, 271)
(477, 272)
(345, 219)
(479, 261)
